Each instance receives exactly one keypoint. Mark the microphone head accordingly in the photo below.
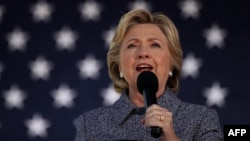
(147, 80)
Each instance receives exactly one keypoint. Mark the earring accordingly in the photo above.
(121, 74)
(170, 74)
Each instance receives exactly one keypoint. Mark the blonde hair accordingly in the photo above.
(136, 17)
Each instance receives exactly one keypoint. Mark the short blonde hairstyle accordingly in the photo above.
(136, 17)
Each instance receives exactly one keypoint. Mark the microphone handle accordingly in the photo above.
(156, 132)
(150, 99)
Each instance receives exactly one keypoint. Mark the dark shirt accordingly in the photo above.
(122, 121)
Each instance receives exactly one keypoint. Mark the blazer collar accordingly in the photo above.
(124, 107)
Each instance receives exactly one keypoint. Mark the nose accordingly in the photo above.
(143, 53)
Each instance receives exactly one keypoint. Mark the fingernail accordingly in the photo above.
(143, 121)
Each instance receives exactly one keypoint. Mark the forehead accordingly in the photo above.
(145, 30)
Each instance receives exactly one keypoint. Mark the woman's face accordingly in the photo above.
(145, 48)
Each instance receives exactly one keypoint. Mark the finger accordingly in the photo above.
(153, 122)
(158, 117)
(143, 121)
(157, 111)
(158, 120)
(153, 106)
(156, 107)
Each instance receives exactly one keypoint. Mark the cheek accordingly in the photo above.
(164, 62)
(126, 60)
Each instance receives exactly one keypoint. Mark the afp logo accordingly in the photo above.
(237, 132)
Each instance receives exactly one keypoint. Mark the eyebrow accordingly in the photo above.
(132, 39)
(150, 39)
(153, 39)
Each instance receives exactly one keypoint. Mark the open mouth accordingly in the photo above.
(144, 67)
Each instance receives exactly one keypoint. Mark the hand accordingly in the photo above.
(161, 117)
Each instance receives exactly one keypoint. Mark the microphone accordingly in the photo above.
(147, 84)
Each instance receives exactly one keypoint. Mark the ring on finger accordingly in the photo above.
(161, 117)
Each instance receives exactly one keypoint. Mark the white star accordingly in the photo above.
(17, 39)
(90, 10)
(108, 36)
(37, 126)
(215, 36)
(63, 96)
(215, 95)
(40, 68)
(139, 4)
(14, 97)
(2, 10)
(1, 69)
(191, 66)
(41, 11)
(109, 96)
(89, 67)
(190, 8)
(65, 38)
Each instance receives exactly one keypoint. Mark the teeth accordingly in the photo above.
(143, 66)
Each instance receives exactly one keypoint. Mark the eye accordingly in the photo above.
(155, 45)
(131, 46)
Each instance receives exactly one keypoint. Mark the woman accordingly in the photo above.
(147, 42)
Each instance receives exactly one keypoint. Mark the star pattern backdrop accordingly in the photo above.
(53, 60)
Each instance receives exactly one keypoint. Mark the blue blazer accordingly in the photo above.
(122, 121)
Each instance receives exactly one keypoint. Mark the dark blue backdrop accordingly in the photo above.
(75, 61)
